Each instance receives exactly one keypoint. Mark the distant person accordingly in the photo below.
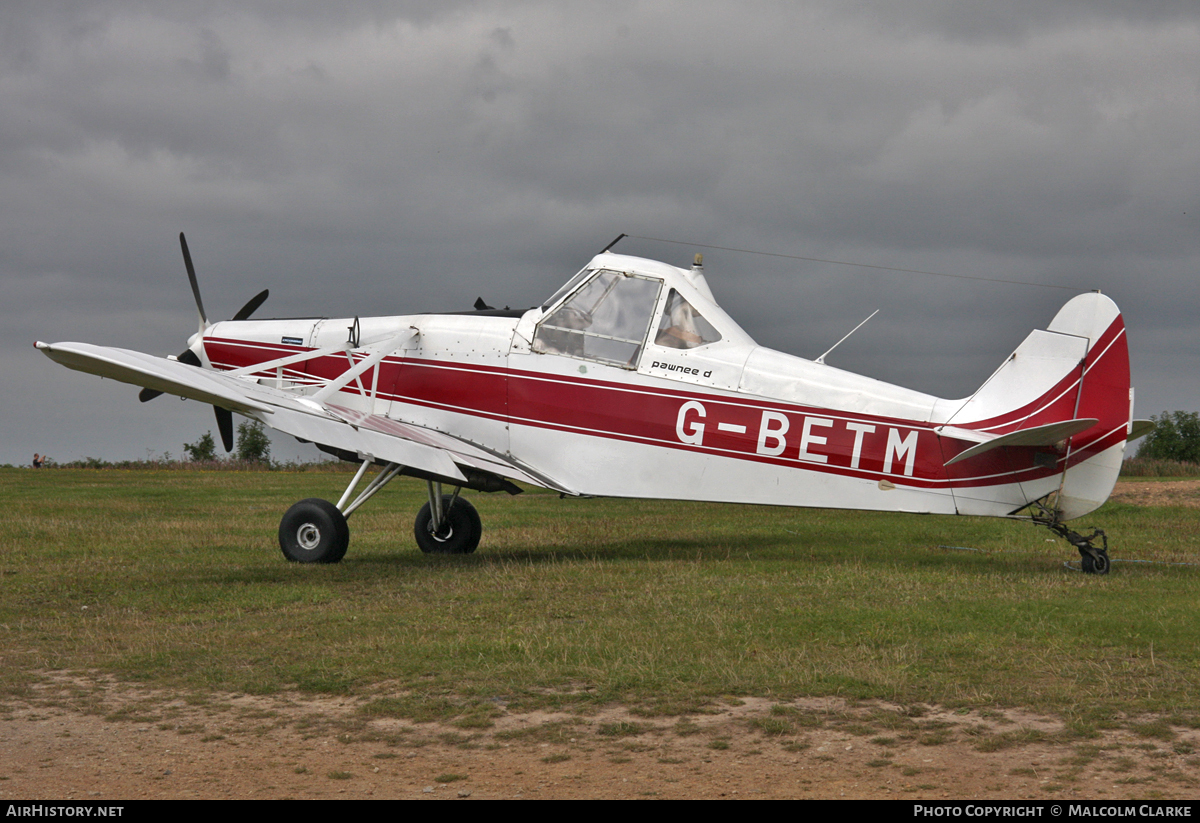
(38, 460)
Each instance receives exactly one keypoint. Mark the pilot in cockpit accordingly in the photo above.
(683, 327)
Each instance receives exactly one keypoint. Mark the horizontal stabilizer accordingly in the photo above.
(1046, 435)
(1140, 428)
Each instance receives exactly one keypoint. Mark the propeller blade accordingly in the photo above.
(187, 261)
(225, 426)
(188, 356)
(257, 300)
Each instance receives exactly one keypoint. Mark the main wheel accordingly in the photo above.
(460, 533)
(1094, 565)
(314, 531)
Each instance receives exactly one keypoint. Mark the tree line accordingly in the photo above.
(1176, 437)
(252, 445)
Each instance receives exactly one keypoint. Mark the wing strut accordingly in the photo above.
(353, 373)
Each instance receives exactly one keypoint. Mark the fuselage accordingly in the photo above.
(632, 382)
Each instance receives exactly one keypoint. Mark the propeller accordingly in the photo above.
(251, 305)
(224, 416)
(225, 427)
(191, 270)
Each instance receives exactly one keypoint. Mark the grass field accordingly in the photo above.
(175, 579)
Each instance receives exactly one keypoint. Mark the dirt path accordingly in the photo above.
(131, 744)
(1158, 492)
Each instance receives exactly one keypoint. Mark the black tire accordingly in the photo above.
(462, 532)
(1095, 565)
(314, 531)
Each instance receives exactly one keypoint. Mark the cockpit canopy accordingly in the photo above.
(609, 315)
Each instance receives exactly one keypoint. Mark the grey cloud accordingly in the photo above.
(391, 157)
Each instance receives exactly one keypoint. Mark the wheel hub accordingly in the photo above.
(308, 536)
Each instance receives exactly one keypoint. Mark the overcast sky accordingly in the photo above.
(404, 157)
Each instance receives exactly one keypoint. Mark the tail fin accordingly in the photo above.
(1094, 459)
(1069, 382)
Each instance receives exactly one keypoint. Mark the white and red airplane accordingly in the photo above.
(630, 381)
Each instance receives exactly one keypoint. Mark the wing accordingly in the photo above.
(313, 418)
(158, 373)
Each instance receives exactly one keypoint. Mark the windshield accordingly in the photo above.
(606, 320)
(572, 283)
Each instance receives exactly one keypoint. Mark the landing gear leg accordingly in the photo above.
(1093, 558)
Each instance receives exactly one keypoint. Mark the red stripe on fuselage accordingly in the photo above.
(725, 423)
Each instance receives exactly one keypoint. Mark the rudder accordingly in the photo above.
(1094, 456)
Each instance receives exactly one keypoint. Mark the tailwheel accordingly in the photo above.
(314, 531)
(1095, 563)
(1093, 559)
(453, 529)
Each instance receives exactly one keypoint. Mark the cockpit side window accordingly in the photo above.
(682, 326)
(606, 320)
